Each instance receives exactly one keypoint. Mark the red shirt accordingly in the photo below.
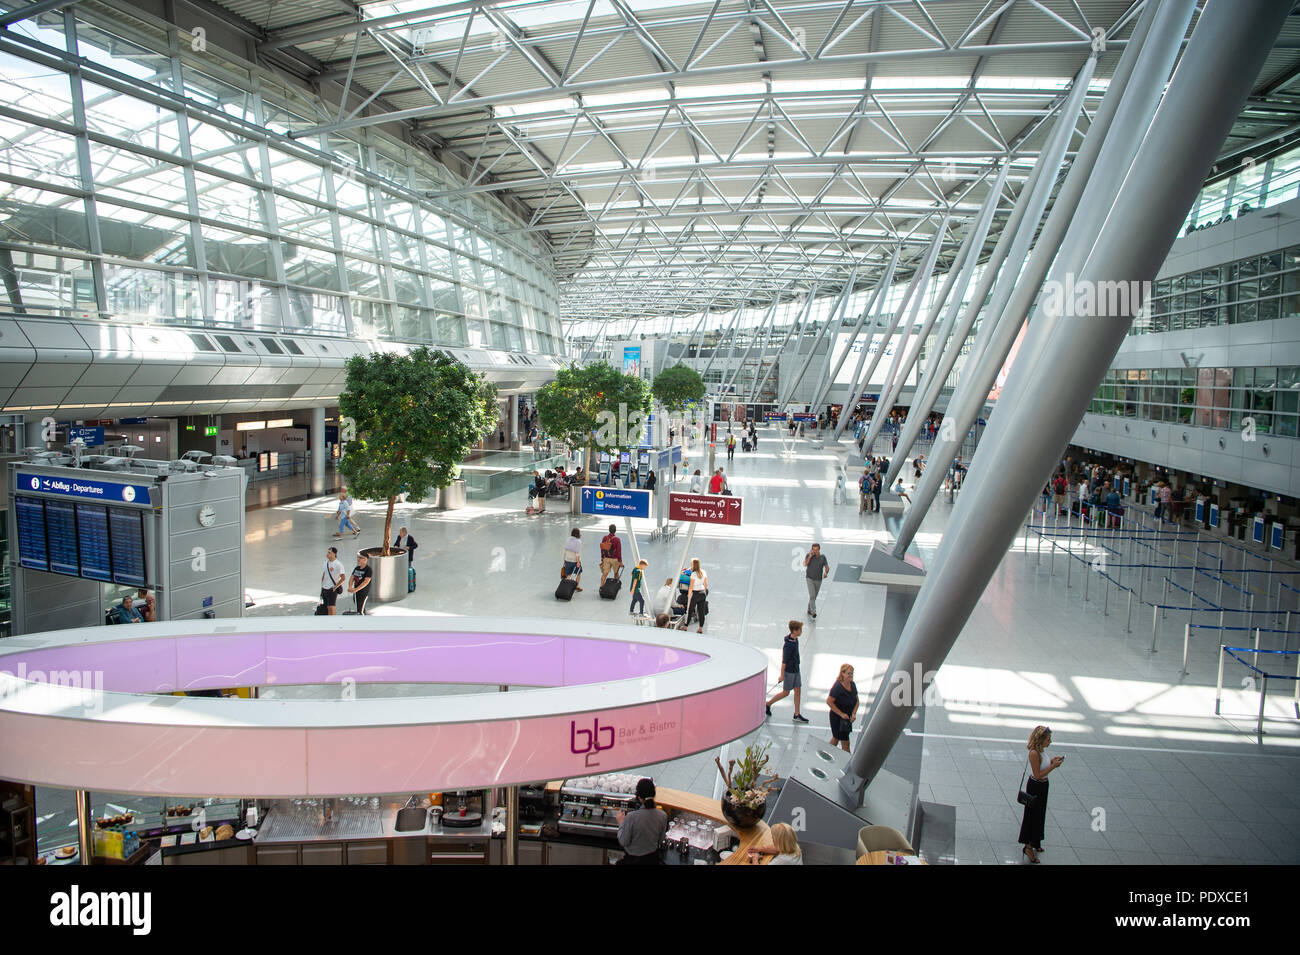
(715, 484)
(611, 546)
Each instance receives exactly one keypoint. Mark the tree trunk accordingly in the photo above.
(388, 526)
(589, 462)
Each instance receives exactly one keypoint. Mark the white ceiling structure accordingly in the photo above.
(678, 156)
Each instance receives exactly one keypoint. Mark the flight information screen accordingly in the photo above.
(61, 535)
(126, 539)
(92, 536)
(33, 551)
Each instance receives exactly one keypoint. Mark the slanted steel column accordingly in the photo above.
(1067, 236)
(878, 419)
(771, 313)
(950, 438)
(831, 320)
(798, 322)
(1044, 399)
(919, 277)
(867, 310)
(942, 365)
(735, 317)
(954, 287)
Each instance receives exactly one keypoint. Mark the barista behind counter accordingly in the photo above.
(641, 831)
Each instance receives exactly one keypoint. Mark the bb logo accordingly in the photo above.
(589, 742)
(128, 493)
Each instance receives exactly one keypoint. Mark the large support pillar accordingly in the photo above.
(832, 321)
(512, 413)
(878, 419)
(954, 287)
(1082, 206)
(735, 375)
(937, 372)
(863, 375)
(868, 309)
(316, 448)
(1049, 165)
(1044, 399)
(797, 323)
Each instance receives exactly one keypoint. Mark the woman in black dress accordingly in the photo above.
(1035, 818)
(843, 703)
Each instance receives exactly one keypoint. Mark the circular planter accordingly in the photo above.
(453, 496)
(742, 817)
(389, 573)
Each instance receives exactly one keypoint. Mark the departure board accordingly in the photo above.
(61, 535)
(92, 535)
(32, 549)
(126, 539)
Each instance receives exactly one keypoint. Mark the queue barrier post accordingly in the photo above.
(1259, 723)
(1218, 686)
(1187, 638)
(1155, 620)
(1256, 658)
(1296, 700)
(1128, 619)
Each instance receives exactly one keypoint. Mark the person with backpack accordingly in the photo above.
(864, 491)
(611, 555)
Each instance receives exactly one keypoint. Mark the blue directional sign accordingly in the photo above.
(616, 502)
(1257, 531)
(1214, 515)
(76, 486)
(1278, 535)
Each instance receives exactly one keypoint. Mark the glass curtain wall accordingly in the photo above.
(142, 179)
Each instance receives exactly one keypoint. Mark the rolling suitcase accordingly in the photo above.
(610, 588)
(565, 590)
(410, 579)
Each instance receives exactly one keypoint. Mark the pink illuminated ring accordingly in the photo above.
(81, 708)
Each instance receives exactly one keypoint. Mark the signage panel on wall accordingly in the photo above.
(90, 489)
(615, 502)
(705, 508)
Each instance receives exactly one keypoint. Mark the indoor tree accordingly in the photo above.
(581, 403)
(678, 386)
(416, 416)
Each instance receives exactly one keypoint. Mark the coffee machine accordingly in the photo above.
(463, 808)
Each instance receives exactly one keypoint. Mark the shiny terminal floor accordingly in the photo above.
(1152, 775)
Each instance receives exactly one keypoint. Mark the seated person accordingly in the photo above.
(127, 612)
(144, 602)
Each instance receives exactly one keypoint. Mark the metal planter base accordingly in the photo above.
(389, 580)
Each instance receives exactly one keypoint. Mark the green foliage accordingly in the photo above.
(675, 386)
(742, 776)
(570, 407)
(416, 417)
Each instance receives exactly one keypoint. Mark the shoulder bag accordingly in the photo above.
(1026, 799)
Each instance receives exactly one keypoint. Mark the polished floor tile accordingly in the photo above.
(1141, 738)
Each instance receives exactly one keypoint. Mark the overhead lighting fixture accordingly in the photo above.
(280, 423)
(250, 425)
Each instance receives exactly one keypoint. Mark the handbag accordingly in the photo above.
(1026, 799)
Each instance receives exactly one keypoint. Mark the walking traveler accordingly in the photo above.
(790, 682)
(843, 703)
(818, 568)
(611, 554)
(638, 587)
(573, 558)
(697, 595)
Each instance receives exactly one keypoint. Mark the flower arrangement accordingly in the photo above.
(742, 777)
